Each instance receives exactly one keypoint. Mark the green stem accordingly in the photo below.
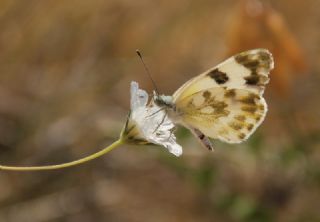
(64, 165)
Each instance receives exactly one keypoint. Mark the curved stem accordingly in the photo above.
(64, 165)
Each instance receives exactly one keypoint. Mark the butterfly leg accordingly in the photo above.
(205, 142)
(162, 121)
(172, 131)
(159, 110)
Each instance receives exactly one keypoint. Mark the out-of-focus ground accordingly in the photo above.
(65, 70)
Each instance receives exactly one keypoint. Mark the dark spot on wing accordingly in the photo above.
(255, 59)
(258, 62)
(251, 64)
(250, 127)
(261, 107)
(218, 76)
(242, 136)
(250, 99)
(206, 94)
(249, 109)
(252, 79)
(242, 58)
(236, 126)
(241, 118)
(219, 108)
(230, 93)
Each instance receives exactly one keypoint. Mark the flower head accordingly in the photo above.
(148, 123)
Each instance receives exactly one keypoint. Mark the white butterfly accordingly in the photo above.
(224, 102)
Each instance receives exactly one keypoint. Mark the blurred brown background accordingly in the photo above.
(65, 70)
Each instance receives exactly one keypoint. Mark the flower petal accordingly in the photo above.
(139, 97)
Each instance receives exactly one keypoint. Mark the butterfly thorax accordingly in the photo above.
(163, 101)
(166, 103)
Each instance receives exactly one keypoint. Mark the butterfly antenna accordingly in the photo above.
(147, 71)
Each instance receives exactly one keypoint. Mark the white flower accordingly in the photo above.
(149, 123)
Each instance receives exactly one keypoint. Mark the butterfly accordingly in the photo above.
(225, 102)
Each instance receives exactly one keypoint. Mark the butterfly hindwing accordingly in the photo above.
(230, 115)
(247, 70)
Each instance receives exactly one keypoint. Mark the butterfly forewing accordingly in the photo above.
(230, 115)
(247, 70)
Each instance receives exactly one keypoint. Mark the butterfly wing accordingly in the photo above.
(230, 115)
(247, 70)
(226, 101)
